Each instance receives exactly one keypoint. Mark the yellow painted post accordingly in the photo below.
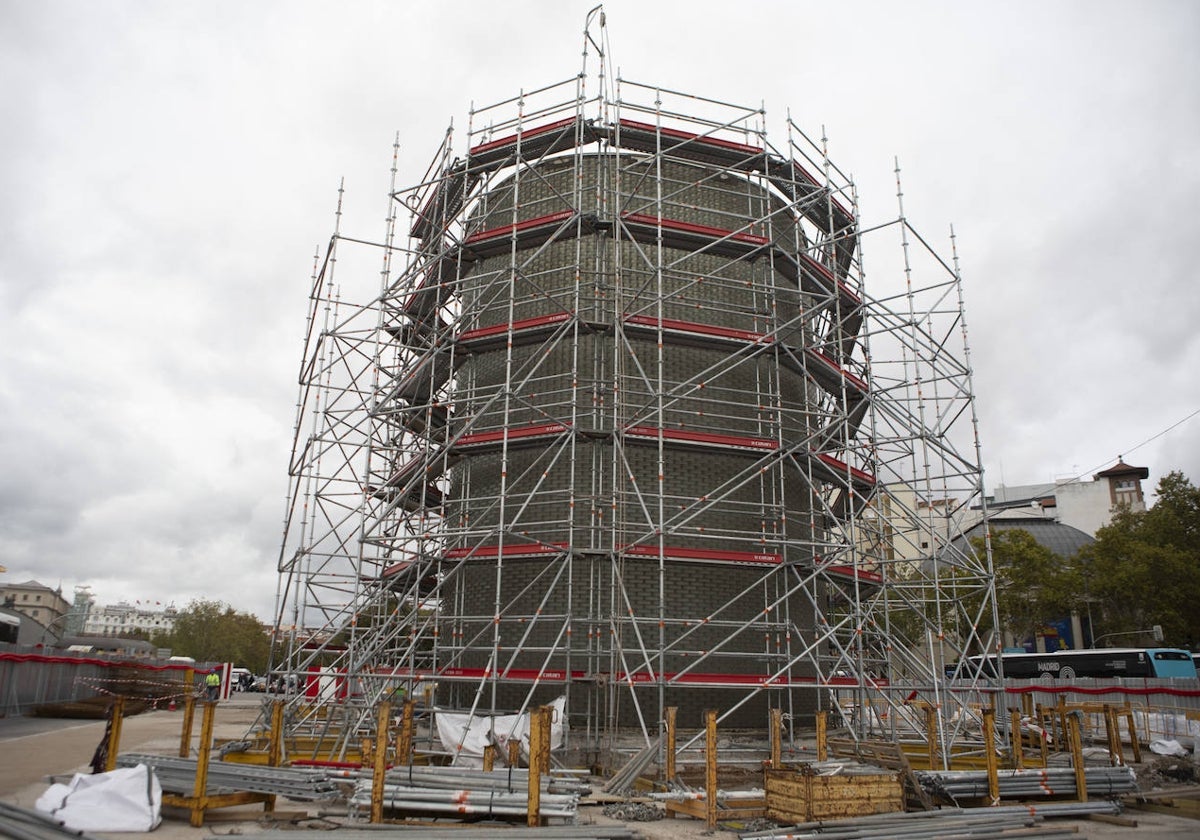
(185, 736)
(710, 768)
(776, 738)
(1027, 705)
(383, 717)
(1018, 746)
(200, 788)
(931, 736)
(514, 753)
(536, 731)
(670, 763)
(1116, 756)
(989, 752)
(489, 758)
(114, 734)
(1076, 743)
(404, 744)
(822, 741)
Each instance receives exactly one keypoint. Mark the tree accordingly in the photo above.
(210, 631)
(1034, 586)
(1144, 568)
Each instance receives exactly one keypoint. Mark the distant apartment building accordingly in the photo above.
(1086, 505)
(123, 618)
(39, 602)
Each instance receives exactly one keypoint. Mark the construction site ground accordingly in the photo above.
(32, 750)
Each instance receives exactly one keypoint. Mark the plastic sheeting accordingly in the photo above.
(465, 736)
(127, 799)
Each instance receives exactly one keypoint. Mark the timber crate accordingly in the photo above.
(798, 795)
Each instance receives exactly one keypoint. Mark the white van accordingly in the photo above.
(240, 679)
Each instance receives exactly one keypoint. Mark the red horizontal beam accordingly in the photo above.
(842, 372)
(689, 137)
(702, 438)
(518, 227)
(695, 229)
(849, 571)
(520, 135)
(841, 468)
(705, 554)
(484, 552)
(517, 326)
(808, 176)
(671, 325)
(511, 434)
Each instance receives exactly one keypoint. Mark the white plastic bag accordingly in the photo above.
(127, 799)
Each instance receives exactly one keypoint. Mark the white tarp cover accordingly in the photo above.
(465, 736)
(127, 799)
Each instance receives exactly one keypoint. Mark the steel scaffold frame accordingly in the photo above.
(862, 606)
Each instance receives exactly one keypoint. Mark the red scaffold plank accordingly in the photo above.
(703, 330)
(502, 231)
(841, 468)
(682, 436)
(517, 326)
(706, 555)
(840, 371)
(692, 229)
(509, 551)
(521, 135)
(689, 137)
(861, 575)
(519, 433)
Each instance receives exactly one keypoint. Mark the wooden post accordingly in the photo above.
(547, 723)
(1116, 755)
(514, 753)
(710, 768)
(1018, 744)
(670, 762)
(200, 788)
(776, 738)
(1133, 737)
(536, 731)
(822, 741)
(931, 736)
(383, 717)
(114, 734)
(185, 736)
(989, 753)
(275, 746)
(489, 758)
(1027, 705)
(1076, 743)
(404, 743)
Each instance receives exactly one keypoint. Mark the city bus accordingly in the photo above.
(1152, 663)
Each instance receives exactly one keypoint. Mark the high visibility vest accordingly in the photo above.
(213, 679)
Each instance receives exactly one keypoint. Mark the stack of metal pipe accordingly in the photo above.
(178, 775)
(457, 790)
(25, 824)
(979, 823)
(955, 785)
(459, 831)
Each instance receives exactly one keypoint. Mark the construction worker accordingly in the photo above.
(213, 684)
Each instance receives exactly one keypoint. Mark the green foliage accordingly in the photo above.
(1144, 568)
(1034, 586)
(210, 631)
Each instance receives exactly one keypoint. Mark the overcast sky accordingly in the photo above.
(167, 171)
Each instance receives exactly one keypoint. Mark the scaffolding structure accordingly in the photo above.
(626, 425)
